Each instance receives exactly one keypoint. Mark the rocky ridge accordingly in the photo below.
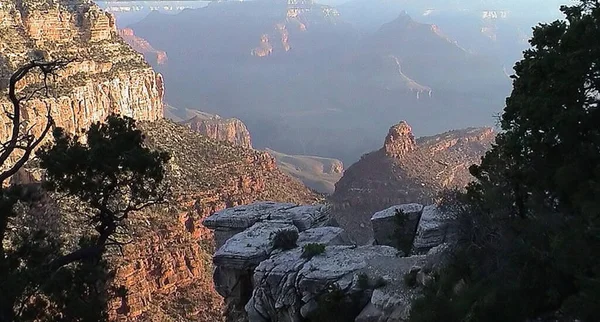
(264, 273)
(141, 45)
(106, 75)
(404, 170)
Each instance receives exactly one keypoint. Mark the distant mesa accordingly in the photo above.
(230, 130)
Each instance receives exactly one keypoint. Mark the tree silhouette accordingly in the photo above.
(111, 175)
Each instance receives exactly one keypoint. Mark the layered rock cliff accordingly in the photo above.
(106, 75)
(406, 169)
(230, 130)
(166, 269)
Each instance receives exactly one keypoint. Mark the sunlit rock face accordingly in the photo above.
(106, 75)
(230, 130)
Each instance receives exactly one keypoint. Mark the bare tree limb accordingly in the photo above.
(47, 69)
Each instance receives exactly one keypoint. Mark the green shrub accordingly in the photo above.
(313, 249)
(363, 281)
(285, 240)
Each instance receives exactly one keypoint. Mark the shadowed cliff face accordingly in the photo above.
(106, 75)
(406, 170)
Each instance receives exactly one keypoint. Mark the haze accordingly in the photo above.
(329, 78)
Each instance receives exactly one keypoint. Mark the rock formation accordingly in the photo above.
(267, 272)
(142, 46)
(406, 170)
(230, 130)
(106, 75)
(167, 269)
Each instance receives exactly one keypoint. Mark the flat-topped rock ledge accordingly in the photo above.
(231, 221)
(281, 263)
(396, 226)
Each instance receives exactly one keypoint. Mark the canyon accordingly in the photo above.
(257, 61)
(167, 268)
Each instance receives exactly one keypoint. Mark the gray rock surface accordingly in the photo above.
(228, 222)
(435, 228)
(392, 231)
(264, 283)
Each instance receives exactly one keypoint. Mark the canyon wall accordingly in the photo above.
(106, 75)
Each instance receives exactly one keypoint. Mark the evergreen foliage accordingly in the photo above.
(112, 175)
(531, 220)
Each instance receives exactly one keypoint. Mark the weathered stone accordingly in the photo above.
(370, 313)
(435, 228)
(397, 225)
(287, 287)
(250, 247)
(229, 222)
(324, 235)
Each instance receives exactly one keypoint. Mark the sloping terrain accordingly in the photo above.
(319, 174)
(406, 170)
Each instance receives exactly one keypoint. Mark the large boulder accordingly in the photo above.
(397, 225)
(436, 227)
(289, 287)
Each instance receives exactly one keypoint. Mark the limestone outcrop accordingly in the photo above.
(285, 265)
(230, 130)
